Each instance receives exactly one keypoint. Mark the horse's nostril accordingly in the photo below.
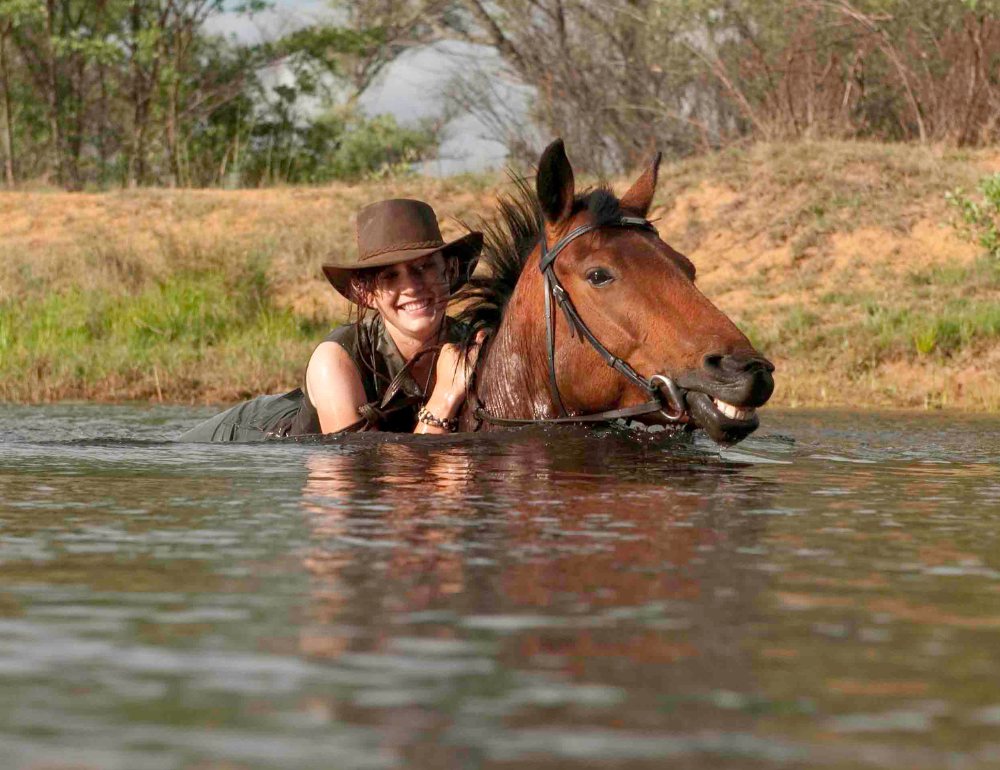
(713, 361)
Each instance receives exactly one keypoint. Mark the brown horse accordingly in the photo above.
(628, 300)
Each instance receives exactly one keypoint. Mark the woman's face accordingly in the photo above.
(412, 297)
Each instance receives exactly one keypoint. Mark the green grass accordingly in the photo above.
(68, 342)
(878, 331)
(983, 274)
(844, 298)
(892, 331)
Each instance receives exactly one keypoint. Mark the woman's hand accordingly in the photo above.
(452, 375)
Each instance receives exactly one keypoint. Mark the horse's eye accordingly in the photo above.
(599, 276)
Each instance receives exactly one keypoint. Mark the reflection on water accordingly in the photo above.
(825, 595)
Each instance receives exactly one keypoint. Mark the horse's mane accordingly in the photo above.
(508, 238)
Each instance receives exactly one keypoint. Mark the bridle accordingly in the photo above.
(555, 291)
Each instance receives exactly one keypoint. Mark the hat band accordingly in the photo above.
(402, 247)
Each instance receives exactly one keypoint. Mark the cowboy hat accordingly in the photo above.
(401, 230)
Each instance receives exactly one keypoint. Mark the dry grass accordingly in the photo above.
(838, 259)
(110, 241)
(810, 247)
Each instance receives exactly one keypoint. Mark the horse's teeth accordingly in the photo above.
(733, 412)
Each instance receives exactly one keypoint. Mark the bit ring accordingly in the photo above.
(675, 396)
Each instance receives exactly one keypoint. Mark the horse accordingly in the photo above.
(635, 339)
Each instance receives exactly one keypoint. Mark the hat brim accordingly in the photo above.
(466, 249)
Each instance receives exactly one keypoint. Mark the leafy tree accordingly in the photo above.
(136, 92)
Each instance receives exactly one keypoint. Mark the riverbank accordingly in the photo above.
(839, 260)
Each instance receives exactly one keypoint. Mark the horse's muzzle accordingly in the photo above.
(723, 395)
(741, 379)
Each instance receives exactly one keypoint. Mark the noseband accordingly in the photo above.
(554, 290)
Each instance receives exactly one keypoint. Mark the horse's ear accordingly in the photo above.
(554, 182)
(640, 195)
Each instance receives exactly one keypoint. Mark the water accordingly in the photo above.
(825, 595)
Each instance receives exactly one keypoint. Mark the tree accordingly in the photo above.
(607, 75)
(5, 102)
(614, 76)
(136, 92)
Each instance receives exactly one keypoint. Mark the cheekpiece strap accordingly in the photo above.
(555, 290)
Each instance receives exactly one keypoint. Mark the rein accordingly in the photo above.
(555, 291)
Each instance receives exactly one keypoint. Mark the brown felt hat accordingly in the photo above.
(401, 230)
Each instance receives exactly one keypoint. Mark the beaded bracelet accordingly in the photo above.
(449, 424)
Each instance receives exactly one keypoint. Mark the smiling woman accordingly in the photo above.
(396, 367)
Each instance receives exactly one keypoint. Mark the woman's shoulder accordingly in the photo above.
(352, 335)
(354, 353)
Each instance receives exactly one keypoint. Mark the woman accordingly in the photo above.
(394, 369)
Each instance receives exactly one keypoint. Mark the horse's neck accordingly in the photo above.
(513, 381)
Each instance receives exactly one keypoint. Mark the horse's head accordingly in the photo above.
(637, 296)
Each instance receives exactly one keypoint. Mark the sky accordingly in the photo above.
(408, 89)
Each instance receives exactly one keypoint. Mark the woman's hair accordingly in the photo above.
(363, 284)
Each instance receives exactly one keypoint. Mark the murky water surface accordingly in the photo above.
(825, 595)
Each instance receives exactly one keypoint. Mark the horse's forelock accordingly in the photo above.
(601, 204)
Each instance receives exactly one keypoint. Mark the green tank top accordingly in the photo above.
(379, 362)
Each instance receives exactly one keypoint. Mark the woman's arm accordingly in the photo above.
(450, 385)
(334, 386)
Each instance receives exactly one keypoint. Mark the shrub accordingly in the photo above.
(979, 220)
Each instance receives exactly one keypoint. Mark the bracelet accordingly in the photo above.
(449, 424)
